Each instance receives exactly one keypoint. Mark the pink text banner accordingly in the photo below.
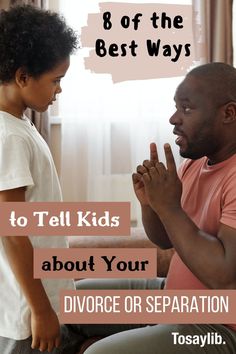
(65, 218)
(95, 263)
(148, 306)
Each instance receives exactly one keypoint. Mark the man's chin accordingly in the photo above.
(183, 152)
(190, 154)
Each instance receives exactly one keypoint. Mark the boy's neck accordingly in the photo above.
(9, 102)
(14, 112)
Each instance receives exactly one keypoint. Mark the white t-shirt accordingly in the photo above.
(25, 160)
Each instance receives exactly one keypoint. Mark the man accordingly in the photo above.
(193, 210)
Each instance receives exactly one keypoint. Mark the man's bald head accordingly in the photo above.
(218, 81)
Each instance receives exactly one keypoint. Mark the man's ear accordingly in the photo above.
(229, 113)
(21, 77)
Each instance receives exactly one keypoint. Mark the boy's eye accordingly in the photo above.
(57, 81)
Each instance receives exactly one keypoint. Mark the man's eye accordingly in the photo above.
(186, 109)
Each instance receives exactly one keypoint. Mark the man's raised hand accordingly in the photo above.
(163, 189)
(138, 176)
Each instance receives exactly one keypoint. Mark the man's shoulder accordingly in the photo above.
(231, 161)
(191, 165)
(224, 170)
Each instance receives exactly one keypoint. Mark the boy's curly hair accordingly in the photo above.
(32, 38)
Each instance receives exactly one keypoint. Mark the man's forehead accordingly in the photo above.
(190, 88)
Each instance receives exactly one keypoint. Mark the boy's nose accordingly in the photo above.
(59, 89)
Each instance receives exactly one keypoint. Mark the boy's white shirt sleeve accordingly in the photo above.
(15, 163)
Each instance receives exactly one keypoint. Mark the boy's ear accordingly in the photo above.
(229, 113)
(21, 77)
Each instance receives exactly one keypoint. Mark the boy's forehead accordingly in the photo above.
(62, 67)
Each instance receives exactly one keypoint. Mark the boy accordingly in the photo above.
(35, 46)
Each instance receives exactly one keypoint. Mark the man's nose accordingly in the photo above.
(175, 118)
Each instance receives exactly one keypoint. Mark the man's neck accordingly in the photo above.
(226, 152)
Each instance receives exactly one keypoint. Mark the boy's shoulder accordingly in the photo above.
(11, 126)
